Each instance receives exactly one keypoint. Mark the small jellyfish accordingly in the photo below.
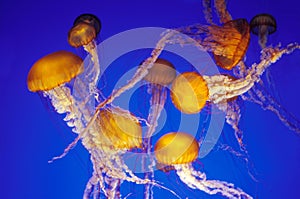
(85, 29)
(189, 92)
(49, 75)
(179, 150)
(263, 25)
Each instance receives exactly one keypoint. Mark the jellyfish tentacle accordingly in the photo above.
(267, 102)
(157, 102)
(208, 11)
(63, 102)
(197, 180)
(222, 88)
(221, 10)
(91, 48)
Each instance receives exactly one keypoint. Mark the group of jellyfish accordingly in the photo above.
(109, 131)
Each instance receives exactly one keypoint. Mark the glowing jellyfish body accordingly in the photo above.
(49, 75)
(263, 25)
(118, 131)
(84, 30)
(189, 92)
(180, 150)
(235, 36)
(228, 42)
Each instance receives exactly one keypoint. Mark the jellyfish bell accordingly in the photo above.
(176, 148)
(229, 42)
(49, 76)
(189, 92)
(263, 25)
(162, 72)
(90, 19)
(81, 34)
(179, 150)
(53, 70)
(85, 29)
(119, 130)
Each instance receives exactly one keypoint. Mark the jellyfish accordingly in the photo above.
(220, 89)
(85, 29)
(117, 132)
(49, 75)
(180, 150)
(228, 43)
(189, 92)
(159, 77)
(263, 25)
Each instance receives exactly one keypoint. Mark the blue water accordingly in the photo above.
(32, 134)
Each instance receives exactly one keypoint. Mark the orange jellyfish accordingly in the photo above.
(228, 42)
(180, 150)
(231, 40)
(49, 76)
(116, 132)
(85, 29)
(189, 92)
(120, 130)
(159, 76)
(263, 25)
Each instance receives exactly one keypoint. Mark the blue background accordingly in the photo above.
(31, 134)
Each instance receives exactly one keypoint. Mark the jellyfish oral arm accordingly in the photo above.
(207, 11)
(63, 102)
(222, 11)
(91, 48)
(222, 88)
(197, 180)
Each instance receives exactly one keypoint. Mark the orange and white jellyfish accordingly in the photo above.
(118, 131)
(159, 76)
(228, 42)
(179, 150)
(85, 29)
(49, 76)
(189, 92)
